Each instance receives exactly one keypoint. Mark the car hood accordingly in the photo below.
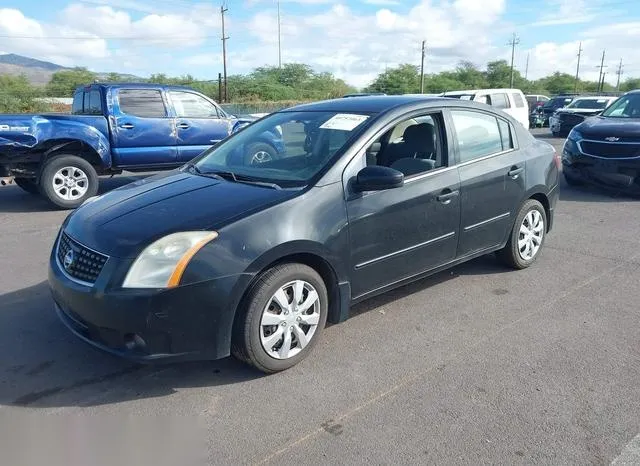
(582, 111)
(601, 127)
(124, 221)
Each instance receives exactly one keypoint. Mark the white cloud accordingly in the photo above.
(382, 2)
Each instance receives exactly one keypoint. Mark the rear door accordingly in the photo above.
(142, 129)
(199, 123)
(492, 183)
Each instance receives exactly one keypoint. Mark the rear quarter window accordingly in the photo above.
(517, 98)
(500, 101)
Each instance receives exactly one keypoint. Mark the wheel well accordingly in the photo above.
(73, 147)
(542, 199)
(317, 263)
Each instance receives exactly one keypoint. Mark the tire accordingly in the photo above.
(80, 174)
(259, 152)
(511, 254)
(251, 334)
(28, 184)
(572, 181)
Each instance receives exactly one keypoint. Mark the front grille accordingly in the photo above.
(79, 261)
(610, 151)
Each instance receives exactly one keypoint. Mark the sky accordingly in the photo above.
(354, 39)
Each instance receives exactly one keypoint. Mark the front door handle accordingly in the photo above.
(515, 171)
(126, 126)
(446, 196)
(183, 126)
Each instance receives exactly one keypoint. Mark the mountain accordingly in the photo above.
(39, 72)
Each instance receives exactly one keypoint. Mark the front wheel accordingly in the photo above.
(527, 236)
(67, 181)
(283, 318)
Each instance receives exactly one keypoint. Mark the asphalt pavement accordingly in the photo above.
(476, 365)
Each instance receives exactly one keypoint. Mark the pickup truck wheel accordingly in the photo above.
(259, 152)
(67, 181)
(28, 184)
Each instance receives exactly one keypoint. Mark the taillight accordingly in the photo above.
(556, 158)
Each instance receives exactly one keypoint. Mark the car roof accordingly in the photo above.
(382, 104)
(595, 97)
(133, 85)
(475, 91)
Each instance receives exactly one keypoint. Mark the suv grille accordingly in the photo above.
(83, 264)
(610, 151)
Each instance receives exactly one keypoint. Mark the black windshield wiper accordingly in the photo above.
(230, 176)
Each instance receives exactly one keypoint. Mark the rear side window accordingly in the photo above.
(478, 134)
(500, 101)
(517, 98)
(144, 103)
(505, 134)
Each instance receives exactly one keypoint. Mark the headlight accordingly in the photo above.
(162, 264)
(574, 135)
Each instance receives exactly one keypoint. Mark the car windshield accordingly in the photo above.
(557, 102)
(588, 103)
(627, 106)
(285, 148)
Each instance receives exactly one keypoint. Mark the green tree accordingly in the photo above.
(557, 83)
(630, 84)
(469, 74)
(405, 79)
(63, 83)
(17, 95)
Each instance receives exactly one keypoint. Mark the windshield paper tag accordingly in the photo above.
(344, 121)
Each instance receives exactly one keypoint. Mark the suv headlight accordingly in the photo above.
(574, 135)
(162, 263)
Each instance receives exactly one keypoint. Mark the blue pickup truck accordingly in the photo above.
(116, 127)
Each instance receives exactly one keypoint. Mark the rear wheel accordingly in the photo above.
(284, 317)
(67, 181)
(527, 236)
(28, 184)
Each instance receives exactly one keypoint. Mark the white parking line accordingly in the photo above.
(630, 455)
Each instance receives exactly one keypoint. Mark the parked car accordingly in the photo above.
(116, 127)
(605, 150)
(536, 100)
(224, 257)
(511, 101)
(564, 119)
(550, 107)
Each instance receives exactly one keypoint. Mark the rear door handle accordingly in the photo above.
(515, 171)
(183, 126)
(126, 126)
(447, 195)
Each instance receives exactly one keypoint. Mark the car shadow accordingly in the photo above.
(45, 366)
(14, 200)
(591, 193)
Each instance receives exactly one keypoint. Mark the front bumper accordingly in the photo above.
(621, 175)
(192, 322)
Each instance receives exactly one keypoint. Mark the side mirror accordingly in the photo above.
(378, 178)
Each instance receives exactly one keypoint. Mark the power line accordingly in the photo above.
(575, 87)
(422, 68)
(619, 73)
(223, 10)
(513, 42)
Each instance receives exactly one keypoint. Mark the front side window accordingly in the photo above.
(412, 146)
(478, 134)
(143, 103)
(189, 105)
(299, 144)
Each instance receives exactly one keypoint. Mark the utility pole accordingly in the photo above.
(279, 39)
(619, 73)
(513, 42)
(604, 73)
(575, 87)
(223, 10)
(526, 69)
(601, 69)
(422, 69)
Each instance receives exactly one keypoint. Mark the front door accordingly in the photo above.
(142, 130)
(199, 124)
(402, 232)
(492, 179)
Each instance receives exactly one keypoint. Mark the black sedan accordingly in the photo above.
(605, 150)
(223, 257)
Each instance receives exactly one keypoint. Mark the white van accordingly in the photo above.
(511, 101)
